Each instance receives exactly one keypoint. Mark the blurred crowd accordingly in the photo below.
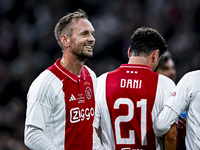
(28, 45)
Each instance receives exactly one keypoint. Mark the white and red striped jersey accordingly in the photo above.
(63, 106)
(127, 102)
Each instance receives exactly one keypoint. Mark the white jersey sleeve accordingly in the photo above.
(40, 99)
(39, 107)
(186, 91)
(36, 140)
(164, 90)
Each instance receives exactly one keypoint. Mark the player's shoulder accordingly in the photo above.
(44, 75)
(192, 74)
(44, 82)
(46, 78)
(190, 78)
(165, 80)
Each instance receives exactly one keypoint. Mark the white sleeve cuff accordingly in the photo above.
(35, 139)
(163, 122)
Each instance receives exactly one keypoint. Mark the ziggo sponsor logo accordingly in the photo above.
(77, 115)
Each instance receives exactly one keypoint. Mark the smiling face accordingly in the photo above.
(82, 40)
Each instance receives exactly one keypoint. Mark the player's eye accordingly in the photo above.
(93, 34)
(84, 33)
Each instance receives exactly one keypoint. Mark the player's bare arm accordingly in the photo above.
(171, 138)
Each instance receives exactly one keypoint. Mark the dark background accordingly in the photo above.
(28, 45)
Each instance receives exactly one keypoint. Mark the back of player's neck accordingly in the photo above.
(137, 60)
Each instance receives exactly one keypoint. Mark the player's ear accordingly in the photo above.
(155, 55)
(65, 40)
(129, 52)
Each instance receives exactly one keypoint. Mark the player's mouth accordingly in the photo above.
(89, 47)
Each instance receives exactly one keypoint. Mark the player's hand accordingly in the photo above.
(181, 127)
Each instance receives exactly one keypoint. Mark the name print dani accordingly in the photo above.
(130, 83)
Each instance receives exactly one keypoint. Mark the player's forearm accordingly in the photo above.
(171, 139)
(36, 140)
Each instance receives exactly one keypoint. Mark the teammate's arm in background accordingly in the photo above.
(182, 131)
(176, 135)
(171, 140)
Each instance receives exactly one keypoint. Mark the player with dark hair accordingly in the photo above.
(61, 103)
(130, 98)
(166, 66)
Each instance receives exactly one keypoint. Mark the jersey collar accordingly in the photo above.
(70, 75)
(135, 66)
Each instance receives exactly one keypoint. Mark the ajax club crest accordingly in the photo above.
(88, 93)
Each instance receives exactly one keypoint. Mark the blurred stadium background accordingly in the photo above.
(28, 45)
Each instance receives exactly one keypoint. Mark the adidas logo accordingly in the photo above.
(72, 98)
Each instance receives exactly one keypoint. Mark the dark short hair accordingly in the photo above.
(64, 24)
(145, 40)
(167, 56)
